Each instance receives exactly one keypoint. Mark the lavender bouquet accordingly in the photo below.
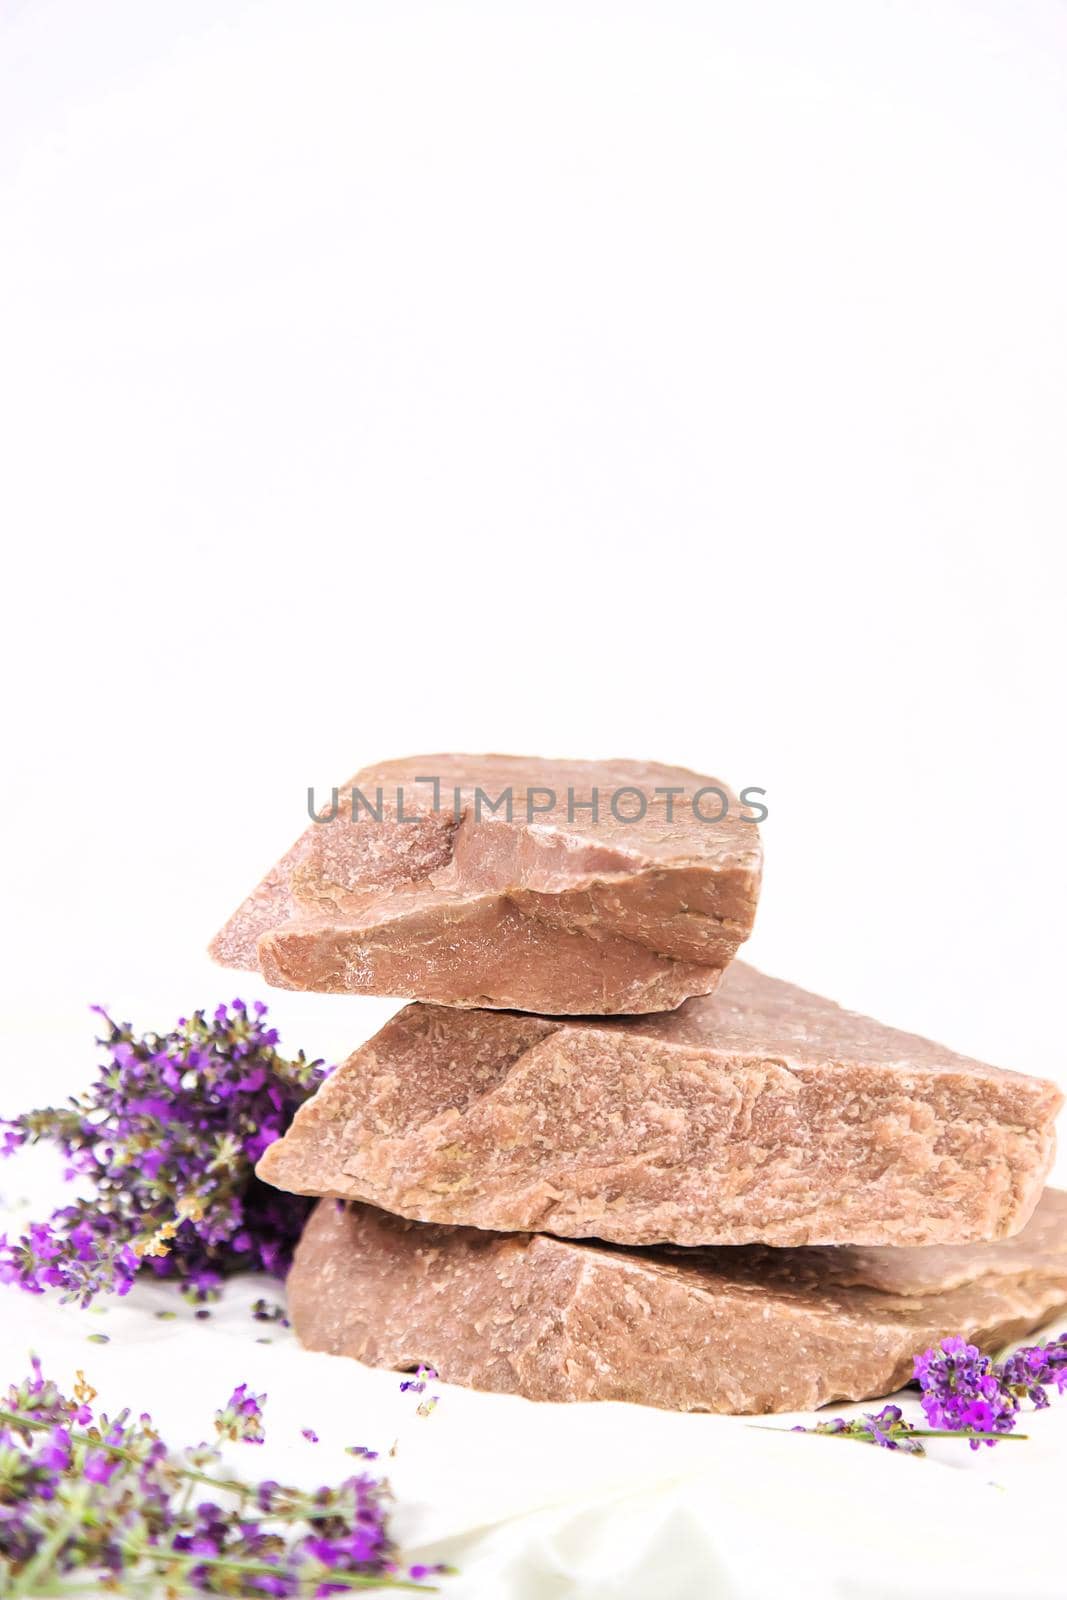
(167, 1139)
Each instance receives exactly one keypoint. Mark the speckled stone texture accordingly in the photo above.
(725, 1330)
(761, 1113)
(464, 907)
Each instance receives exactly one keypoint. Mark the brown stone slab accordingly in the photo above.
(550, 911)
(931, 1269)
(759, 1114)
(551, 1319)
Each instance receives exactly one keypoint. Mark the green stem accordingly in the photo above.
(866, 1436)
(960, 1433)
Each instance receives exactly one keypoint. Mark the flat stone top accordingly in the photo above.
(669, 833)
(553, 887)
(751, 1014)
(749, 1017)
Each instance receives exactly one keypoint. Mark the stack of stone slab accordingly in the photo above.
(599, 1158)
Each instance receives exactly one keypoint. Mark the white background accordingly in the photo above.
(654, 380)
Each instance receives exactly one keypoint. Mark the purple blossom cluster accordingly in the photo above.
(108, 1501)
(963, 1390)
(167, 1139)
(1036, 1368)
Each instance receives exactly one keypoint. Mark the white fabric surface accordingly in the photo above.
(606, 1502)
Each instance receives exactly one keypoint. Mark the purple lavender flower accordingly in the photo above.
(167, 1137)
(891, 1432)
(55, 1454)
(242, 1416)
(1036, 1368)
(962, 1389)
(11, 1139)
(99, 1466)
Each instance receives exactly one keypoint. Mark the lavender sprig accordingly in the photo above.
(886, 1428)
(965, 1395)
(167, 1138)
(90, 1501)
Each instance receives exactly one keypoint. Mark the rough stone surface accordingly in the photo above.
(462, 906)
(1040, 1249)
(733, 1331)
(761, 1113)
